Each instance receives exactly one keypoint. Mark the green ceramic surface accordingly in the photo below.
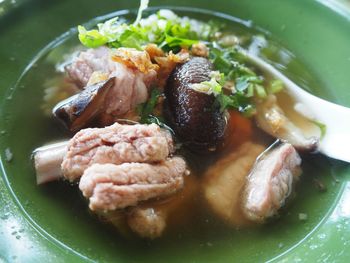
(51, 223)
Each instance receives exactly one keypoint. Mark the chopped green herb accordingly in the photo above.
(322, 126)
(112, 29)
(248, 85)
(165, 29)
(159, 121)
(179, 42)
(224, 58)
(249, 92)
(213, 86)
(146, 109)
(143, 6)
(236, 101)
(276, 86)
(92, 38)
(260, 91)
(129, 38)
(246, 81)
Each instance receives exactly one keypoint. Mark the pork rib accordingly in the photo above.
(270, 182)
(110, 186)
(116, 144)
(47, 161)
(113, 144)
(132, 78)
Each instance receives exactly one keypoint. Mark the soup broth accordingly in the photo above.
(193, 227)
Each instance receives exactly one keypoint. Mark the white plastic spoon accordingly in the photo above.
(336, 141)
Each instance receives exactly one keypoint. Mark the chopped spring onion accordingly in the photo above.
(143, 6)
(276, 86)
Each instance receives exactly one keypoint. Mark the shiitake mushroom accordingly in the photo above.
(194, 116)
(79, 110)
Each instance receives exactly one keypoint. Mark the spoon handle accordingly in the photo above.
(336, 141)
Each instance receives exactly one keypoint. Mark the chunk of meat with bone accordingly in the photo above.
(112, 63)
(224, 182)
(272, 119)
(110, 186)
(270, 182)
(116, 144)
(194, 115)
(86, 63)
(118, 80)
(48, 160)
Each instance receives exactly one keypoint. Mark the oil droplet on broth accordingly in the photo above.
(314, 246)
(322, 236)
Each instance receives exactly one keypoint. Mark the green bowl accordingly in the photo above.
(51, 223)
